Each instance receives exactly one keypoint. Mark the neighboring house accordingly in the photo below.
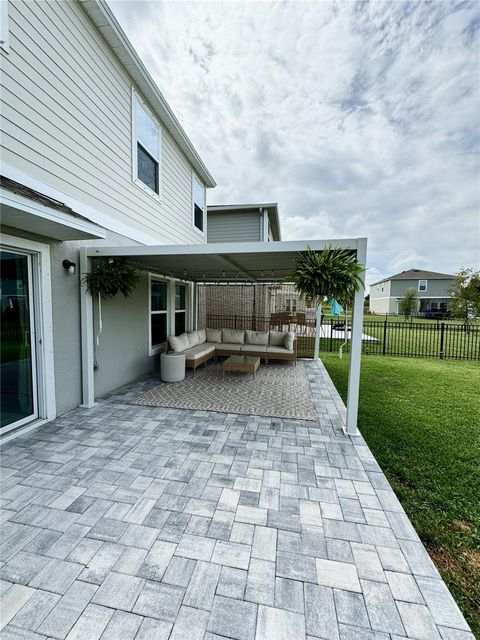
(433, 291)
(91, 154)
(243, 223)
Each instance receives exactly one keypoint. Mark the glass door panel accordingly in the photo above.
(17, 361)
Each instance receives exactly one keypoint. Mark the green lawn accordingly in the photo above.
(421, 419)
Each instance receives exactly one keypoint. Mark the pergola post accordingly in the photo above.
(86, 310)
(318, 329)
(356, 346)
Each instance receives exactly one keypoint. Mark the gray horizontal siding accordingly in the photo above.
(234, 227)
(66, 121)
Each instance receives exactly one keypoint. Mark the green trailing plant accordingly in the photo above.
(333, 273)
(110, 276)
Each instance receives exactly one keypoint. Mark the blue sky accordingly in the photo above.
(359, 119)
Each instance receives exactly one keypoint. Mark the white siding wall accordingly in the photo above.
(380, 300)
(66, 110)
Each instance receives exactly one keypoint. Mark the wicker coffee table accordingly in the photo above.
(245, 364)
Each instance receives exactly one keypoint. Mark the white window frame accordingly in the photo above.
(185, 309)
(136, 98)
(203, 233)
(420, 283)
(4, 26)
(43, 322)
(153, 349)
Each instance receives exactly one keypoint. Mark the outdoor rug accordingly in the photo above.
(278, 390)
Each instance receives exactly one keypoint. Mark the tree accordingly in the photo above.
(330, 273)
(409, 303)
(465, 302)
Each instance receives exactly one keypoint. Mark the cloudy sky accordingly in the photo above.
(359, 119)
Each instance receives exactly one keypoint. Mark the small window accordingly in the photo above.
(4, 31)
(146, 147)
(180, 308)
(198, 200)
(422, 285)
(158, 313)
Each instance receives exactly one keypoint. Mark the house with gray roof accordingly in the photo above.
(433, 290)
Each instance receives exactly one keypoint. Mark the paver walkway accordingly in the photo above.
(125, 522)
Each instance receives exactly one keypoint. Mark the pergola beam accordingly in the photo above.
(230, 264)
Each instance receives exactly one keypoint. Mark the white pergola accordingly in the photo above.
(253, 262)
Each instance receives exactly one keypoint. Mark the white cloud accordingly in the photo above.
(360, 119)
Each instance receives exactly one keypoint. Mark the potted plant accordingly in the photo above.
(110, 276)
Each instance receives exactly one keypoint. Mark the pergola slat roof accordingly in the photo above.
(227, 262)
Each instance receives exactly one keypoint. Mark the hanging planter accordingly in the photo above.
(110, 276)
(332, 273)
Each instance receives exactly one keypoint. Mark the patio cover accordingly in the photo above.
(225, 262)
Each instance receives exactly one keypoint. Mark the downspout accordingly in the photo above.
(86, 311)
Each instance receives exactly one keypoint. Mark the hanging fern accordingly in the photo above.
(110, 276)
(332, 273)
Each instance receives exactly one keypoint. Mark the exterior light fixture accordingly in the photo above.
(70, 267)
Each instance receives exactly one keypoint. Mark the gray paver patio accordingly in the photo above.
(125, 521)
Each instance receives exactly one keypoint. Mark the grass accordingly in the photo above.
(421, 421)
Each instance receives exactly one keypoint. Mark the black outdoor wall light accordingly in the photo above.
(69, 266)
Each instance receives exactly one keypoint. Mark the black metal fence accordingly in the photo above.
(416, 340)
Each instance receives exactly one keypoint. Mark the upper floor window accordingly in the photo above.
(146, 146)
(422, 285)
(198, 200)
(4, 32)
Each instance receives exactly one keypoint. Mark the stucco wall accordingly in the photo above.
(122, 353)
(125, 324)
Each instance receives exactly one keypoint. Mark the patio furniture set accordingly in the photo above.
(243, 349)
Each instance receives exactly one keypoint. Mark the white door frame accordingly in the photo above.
(42, 338)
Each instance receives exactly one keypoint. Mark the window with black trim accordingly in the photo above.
(146, 147)
(180, 308)
(158, 312)
(198, 199)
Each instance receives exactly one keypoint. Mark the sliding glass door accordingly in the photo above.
(18, 368)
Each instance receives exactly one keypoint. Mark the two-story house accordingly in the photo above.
(432, 288)
(95, 165)
(91, 153)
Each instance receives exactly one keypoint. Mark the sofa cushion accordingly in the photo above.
(277, 338)
(289, 340)
(257, 337)
(229, 346)
(214, 335)
(271, 349)
(199, 350)
(192, 339)
(252, 348)
(233, 336)
(202, 336)
(179, 343)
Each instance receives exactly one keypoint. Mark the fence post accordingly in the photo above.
(442, 340)
(235, 321)
(384, 350)
(331, 334)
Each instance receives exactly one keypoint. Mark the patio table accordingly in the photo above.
(245, 364)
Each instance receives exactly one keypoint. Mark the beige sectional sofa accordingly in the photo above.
(204, 344)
